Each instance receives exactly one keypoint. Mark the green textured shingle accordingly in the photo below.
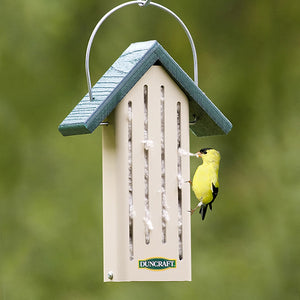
(119, 79)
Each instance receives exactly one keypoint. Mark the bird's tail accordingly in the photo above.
(203, 210)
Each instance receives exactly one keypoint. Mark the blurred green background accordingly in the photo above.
(50, 185)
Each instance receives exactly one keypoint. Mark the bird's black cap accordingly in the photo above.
(204, 150)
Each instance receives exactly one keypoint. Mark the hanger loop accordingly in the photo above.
(146, 3)
(140, 3)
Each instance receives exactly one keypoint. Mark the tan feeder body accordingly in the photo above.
(148, 101)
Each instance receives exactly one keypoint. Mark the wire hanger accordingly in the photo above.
(142, 4)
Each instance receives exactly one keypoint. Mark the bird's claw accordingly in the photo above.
(192, 211)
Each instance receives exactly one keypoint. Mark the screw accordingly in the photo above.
(110, 275)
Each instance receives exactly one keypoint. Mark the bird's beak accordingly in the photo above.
(198, 154)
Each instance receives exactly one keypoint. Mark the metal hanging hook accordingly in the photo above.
(140, 3)
(146, 3)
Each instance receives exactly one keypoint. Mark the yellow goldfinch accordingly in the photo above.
(205, 181)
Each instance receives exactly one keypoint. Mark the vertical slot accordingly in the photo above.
(164, 212)
(130, 184)
(147, 219)
(179, 187)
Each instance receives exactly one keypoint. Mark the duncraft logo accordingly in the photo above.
(157, 263)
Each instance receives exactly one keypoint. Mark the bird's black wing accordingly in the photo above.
(215, 191)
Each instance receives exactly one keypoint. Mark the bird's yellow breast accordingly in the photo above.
(204, 177)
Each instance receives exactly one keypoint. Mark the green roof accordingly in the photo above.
(120, 78)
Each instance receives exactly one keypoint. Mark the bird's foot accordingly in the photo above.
(194, 209)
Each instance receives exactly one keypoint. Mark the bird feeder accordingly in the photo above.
(148, 104)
